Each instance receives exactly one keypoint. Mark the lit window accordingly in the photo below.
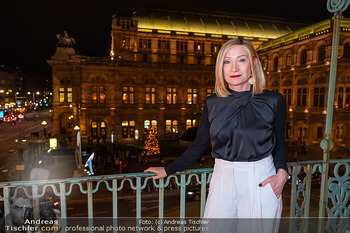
(210, 91)
(69, 95)
(175, 127)
(199, 46)
(102, 95)
(150, 96)
(168, 126)
(154, 125)
(171, 96)
(103, 129)
(94, 95)
(128, 129)
(147, 124)
(61, 93)
(128, 95)
(94, 129)
(347, 97)
(191, 96)
(190, 123)
(171, 126)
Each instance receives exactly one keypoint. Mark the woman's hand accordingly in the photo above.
(276, 181)
(160, 171)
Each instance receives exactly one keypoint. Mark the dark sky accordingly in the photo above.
(29, 27)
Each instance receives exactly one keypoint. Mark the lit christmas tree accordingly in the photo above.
(151, 144)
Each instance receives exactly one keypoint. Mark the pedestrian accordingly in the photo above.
(116, 163)
(244, 123)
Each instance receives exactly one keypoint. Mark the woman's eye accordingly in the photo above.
(242, 60)
(226, 62)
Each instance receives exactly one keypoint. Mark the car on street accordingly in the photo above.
(193, 192)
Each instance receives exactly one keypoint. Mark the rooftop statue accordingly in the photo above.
(64, 40)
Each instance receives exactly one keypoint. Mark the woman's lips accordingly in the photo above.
(235, 76)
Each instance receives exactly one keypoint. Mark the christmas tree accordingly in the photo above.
(151, 144)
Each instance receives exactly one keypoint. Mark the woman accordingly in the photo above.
(245, 125)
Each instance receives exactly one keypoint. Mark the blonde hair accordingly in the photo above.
(256, 68)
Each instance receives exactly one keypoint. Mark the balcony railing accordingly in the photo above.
(305, 178)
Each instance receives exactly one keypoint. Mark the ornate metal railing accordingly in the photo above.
(305, 176)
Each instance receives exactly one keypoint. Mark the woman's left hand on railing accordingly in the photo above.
(160, 171)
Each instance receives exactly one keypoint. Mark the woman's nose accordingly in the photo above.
(234, 66)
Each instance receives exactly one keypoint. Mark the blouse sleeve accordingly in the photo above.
(196, 149)
(279, 151)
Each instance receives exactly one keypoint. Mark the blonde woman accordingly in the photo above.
(244, 123)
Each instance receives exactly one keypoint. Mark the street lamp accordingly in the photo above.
(44, 123)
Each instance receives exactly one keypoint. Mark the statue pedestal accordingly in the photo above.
(63, 53)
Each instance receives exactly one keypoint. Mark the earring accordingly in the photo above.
(251, 81)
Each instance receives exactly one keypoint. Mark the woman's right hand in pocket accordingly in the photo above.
(160, 171)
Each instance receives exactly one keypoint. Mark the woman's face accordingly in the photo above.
(237, 70)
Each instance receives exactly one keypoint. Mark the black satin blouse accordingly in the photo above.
(240, 128)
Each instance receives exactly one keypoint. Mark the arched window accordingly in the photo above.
(346, 50)
(94, 129)
(128, 129)
(303, 57)
(154, 125)
(275, 63)
(103, 130)
(289, 60)
(171, 126)
(321, 53)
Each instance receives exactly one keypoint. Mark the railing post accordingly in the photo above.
(90, 206)
(307, 192)
(7, 208)
(63, 205)
(36, 204)
(182, 200)
(161, 203)
(293, 196)
(203, 193)
(138, 202)
(115, 204)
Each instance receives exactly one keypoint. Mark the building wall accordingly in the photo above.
(7, 89)
(114, 93)
(302, 76)
(109, 95)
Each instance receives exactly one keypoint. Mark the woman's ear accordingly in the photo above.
(255, 61)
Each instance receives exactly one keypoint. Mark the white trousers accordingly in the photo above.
(234, 191)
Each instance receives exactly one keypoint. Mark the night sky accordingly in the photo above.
(29, 27)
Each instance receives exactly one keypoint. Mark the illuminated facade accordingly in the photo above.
(159, 73)
(298, 65)
(7, 89)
